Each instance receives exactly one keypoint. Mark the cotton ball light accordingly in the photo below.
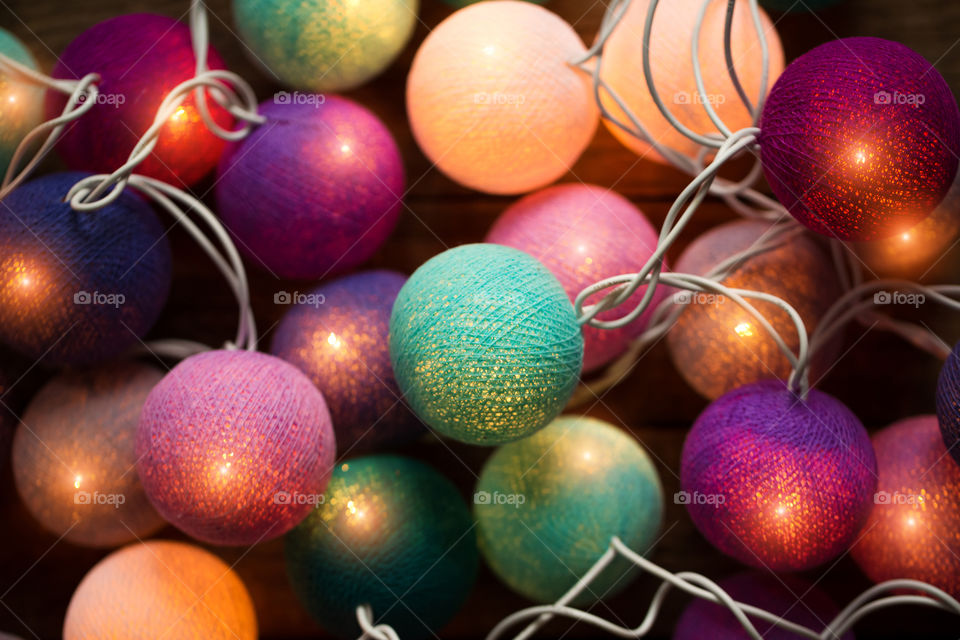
(315, 189)
(777, 481)
(325, 45)
(392, 533)
(859, 138)
(139, 58)
(234, 447)
(22, 102)
(493, 101)
(485, 344)
(583, 234)
(341, 343)
(548, 505)
(73, 456)
(671, 64)
(913, 530)
(948, 402)
(78, 287)
(716, 345)
(161, 587)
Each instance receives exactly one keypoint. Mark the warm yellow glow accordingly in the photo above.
(179, 114)
(26, 281)
(345, 148)
(911, 521)
(352, 508)
(744, 329)
(489, 49)
(345, 467)
(587, 455)
(12, 99)
(860, 157)
(334, 342)
(906, 237)
(77, 481)
(781, 510)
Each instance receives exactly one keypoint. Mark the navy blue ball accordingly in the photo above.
(78, 287)
(948, 402)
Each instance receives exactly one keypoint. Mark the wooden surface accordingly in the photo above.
(880, 378)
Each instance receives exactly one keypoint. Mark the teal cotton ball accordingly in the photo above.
(392, 533)
(21, 103)
(547, 507)
(485, 344)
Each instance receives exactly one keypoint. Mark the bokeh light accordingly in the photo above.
(21, 103)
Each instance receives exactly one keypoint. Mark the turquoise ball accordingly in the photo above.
(547, 507)
(390, 532)
(21, 103)
(485, 344)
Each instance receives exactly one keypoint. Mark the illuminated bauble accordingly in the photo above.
(948, 402)
(584, 233)
(73, 456)
(914, 526)
(157, 589)
(716, 345)
(78, 287)
(859, 138)
(671, 63)
(234, 447)
(485, 344)
(325, 45)
(22, 102)
(548, 505)
(789, 597)
(493, 100)
(140, 58)
(315, 189)
(392, 533)
(338, 336)
(776, 481)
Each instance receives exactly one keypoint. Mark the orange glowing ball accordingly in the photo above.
(493, 101)
(671, 62)
(161, 589)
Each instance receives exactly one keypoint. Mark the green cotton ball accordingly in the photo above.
(547, 507)
(485, 345)
(21, 103)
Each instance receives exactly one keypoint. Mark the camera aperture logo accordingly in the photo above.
(899, 297)
(297, 298)
(114, 300)
(285, 97)
(497, 498)
(297, 498)
(95, 498)
(687, 497)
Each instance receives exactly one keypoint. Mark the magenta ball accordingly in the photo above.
(776, 481)
(582, 234)
(234, 447)
(140, 58)
(859, 138)
(341, 343)
(314, 190)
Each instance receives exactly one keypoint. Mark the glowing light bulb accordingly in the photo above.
(744, 330)
(178, 114)
(345, 148)
(77, 481)
(906, 237)
(333, 340)
(860, 157)
(489, 49)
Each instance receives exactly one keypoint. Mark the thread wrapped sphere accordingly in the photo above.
(325, 45)
(671, 63)
(776, 481)
(78, 287)
(22, 102)
(948, 402)
(234, 447)
(392, 533)
(914, 526)
(548, 505)
(859, 138)
(790, 597)
(318, 188)
(342, 344)
(493, 101)
(161, 587)
(484, 344)
(73, 456)
(582, 234)
(140, 58)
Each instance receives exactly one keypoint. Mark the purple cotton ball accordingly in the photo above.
(234, 447)
(340, 340)
(859, 138)
(316, 189)
(948, 402)
(776, 481)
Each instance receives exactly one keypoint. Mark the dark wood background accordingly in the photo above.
(880, 378)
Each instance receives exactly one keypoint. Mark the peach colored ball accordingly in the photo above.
(161, 589)
(493, 101)
(671, 61)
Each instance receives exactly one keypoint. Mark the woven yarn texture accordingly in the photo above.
(775, 481)
(339, 337)
(393, 533)
(548, 505)
(78, 287)
(315, 189)
(948, 402)
(484, 343)
(234, 447)
(859, 138)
